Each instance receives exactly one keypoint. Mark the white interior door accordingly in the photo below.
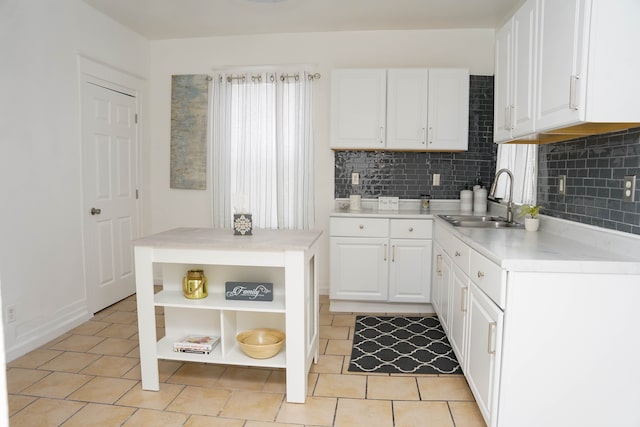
(110, 208)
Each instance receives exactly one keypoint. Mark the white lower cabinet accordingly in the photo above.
(459, 306)
(445, 292)
(441, 266)
(359, 268)
(410, 270)
(471, 320)
(483, 352)
(542, 343)
(380, 260)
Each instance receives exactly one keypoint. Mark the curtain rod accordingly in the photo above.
(258, 77)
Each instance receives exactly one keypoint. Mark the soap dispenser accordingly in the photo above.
(478, 183)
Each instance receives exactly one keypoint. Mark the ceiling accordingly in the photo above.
(168, 19)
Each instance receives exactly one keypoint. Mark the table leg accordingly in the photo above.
(295, 321)
(146, 318)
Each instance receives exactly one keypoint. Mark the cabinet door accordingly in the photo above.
(407, 108)
(448, 109)
(561, 63)
(359, 268)
(503, 83)
(358, 108)
(514, 79)
(410, 270)
(459, 306)
(436, 278)
(484, 348)
(445, 292)
(523, 68)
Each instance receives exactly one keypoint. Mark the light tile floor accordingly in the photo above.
(91, 376)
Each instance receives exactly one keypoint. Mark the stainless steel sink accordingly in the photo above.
(477, 221)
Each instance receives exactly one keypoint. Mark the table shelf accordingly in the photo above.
(216, 301)
(233, 356)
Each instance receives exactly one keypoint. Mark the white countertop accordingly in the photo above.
(376, 213)
(223, 238)
(521, 250)
(559, 245)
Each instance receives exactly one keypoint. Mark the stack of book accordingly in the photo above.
(200, 344)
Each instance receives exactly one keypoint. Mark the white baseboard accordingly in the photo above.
(50, 330)
(343, 306)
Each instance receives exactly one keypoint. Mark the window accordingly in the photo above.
(262, 148)
(522, 161)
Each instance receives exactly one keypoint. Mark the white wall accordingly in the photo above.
(172, 208)
(41, 253)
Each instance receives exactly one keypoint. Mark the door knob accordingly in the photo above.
(95, 211)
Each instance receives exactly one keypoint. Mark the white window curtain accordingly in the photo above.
(262, 146)
(522, 161)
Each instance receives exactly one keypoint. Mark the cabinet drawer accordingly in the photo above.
(359, 227)
(489, 277)
(457, 250)
(411, 228)
(459, 253)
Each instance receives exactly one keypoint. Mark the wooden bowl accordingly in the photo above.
(261, 343)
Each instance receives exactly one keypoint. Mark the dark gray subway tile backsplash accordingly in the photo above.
(594, 166)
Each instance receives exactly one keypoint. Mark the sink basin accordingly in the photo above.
(480, 221)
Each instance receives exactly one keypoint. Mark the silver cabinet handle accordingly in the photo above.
(457, 253)
(430, 135)
(480, 274)
(361, 227)
(95, 211)
(385, 251)
(393, 253)
(492, 328)
(410, 229)
(573, 91)
(512, 115)
(439, 264)
(463, 300)
(381, 134)
(424, 136)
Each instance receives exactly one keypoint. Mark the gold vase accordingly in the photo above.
(194, 285)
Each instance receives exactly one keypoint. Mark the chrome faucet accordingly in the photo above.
(492, 193)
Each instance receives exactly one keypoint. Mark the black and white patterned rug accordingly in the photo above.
(410, 345)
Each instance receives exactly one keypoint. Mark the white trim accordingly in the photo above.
(4, 404)
(108, 73)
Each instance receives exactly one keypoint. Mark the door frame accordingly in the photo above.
(102, 74)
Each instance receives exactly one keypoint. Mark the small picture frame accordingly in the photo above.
(248, 291)
(242, 224)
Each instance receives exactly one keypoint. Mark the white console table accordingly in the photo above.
(286, 258)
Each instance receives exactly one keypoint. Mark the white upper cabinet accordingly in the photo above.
(502, 83)
(358, 108)
(562, 71)
(448, 110)
(584, 78)
(416, 109)
(514, 79)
